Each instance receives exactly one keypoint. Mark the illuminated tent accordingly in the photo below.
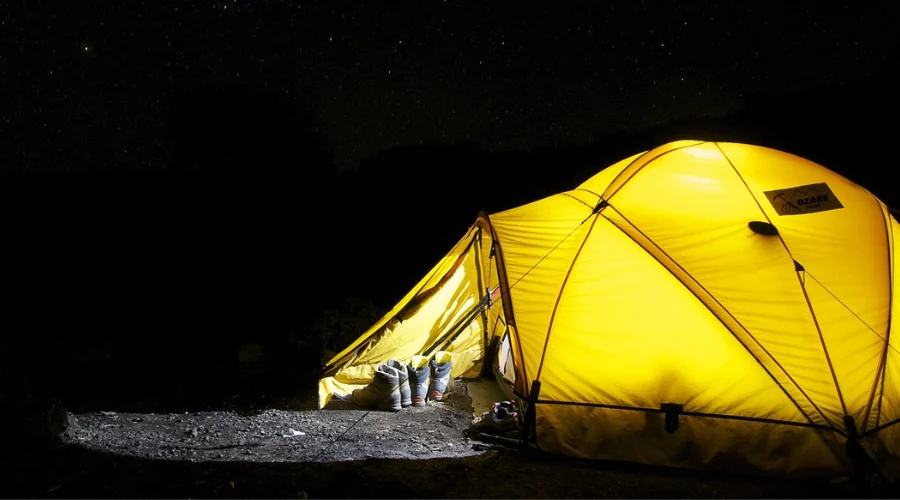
(708, 305)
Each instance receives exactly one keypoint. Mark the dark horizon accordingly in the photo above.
(290, 138)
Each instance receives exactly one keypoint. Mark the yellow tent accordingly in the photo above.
(700, 304)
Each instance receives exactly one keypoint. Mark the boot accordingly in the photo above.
(418, 372)
(405, 396)
(508, 405)
(440, 375)
(499, 421)
(383, 392)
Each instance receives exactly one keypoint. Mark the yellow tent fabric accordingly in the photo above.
(440, 313)
(700, 304)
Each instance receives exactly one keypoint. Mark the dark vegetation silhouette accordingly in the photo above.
(144, 291)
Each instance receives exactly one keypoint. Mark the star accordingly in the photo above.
(346, 64)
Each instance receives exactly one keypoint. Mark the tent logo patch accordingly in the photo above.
(806, 199)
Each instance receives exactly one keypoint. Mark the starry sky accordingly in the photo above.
(88, 83)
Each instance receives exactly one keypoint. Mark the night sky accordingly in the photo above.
(221, 99)
(87, 85)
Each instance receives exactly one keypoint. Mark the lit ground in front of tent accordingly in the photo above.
(344, 452)
(341, 432)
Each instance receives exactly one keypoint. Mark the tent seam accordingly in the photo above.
(598, 195)
(690, 413)
(887, 339)
(480, 283)
(743, 328)
(638, 170)
(562, 288)
(880, 428)
(812, 312)
(845, 306)
(503, 281)
(567, 195)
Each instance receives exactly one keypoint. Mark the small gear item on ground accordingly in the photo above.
(502, 420)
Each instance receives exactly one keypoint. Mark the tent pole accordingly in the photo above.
(528, 426)
(457, 329)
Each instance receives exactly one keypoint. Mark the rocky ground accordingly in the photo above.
(338, 434)
(342, 452)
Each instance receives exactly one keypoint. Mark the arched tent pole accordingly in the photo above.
(482, 288)
(484, 222)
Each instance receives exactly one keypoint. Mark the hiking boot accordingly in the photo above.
(405, 396)
(440, 375)
(383, 392)
(506, 406)
(418, 372)
(509, 405)
(499, 421)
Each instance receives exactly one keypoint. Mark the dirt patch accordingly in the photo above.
(343, 452)
(341, 433)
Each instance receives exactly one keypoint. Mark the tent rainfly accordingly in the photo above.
(702, 304)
